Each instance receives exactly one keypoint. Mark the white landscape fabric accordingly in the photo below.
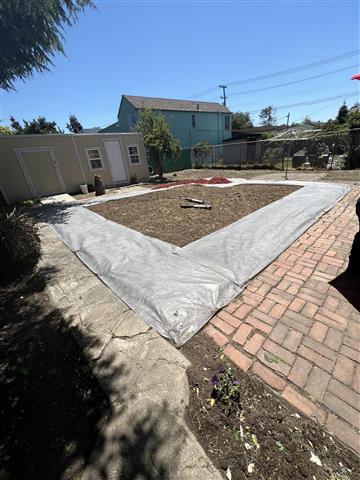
(177, 290)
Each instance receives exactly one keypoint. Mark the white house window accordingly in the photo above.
(94, 158)
(227, 122)
(134, 153)
(193, 120)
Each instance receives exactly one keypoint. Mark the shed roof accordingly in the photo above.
(178, 105)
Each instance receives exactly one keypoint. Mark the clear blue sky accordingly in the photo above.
(175, 49)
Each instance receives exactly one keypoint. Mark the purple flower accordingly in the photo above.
(222, 370)
(215, 380)
(236, 382)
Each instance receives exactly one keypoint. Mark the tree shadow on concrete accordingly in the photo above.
(53, 408)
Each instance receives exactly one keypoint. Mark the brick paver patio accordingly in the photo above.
(296, 325)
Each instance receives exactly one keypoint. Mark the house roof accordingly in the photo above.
(178, 105)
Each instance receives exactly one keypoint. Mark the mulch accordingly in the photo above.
(159, 214)
(261, 431)
(51, 406)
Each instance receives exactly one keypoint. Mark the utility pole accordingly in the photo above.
(224, 97)
(288, 152)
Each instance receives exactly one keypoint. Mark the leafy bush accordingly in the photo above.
(226, 390)
(19, 244)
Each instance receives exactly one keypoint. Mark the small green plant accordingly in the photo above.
(226, 390)
(19, 244)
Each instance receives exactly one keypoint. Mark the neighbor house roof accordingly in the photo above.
(178, 105)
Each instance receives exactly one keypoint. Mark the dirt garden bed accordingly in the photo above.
(260, 437)
(159, 214)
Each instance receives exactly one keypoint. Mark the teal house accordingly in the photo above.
(192, 122)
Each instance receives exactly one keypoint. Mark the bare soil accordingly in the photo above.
(311, 175)
(159, 214)
(261, 429)
(51, 406)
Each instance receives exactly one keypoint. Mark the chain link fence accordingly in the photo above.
(306, 150)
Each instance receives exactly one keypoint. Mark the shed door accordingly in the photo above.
(41, 171)
(116, 161)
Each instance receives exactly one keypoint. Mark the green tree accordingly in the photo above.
(267, 116)
(31, 34)
(158, 138)
(353, 120)
(35, 126)
(73, 125)
(342, 114)
(201, 151)
(241, 120)
(5, 130)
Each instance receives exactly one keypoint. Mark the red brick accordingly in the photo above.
(296, 305)
(306, 271)
(350, 353)
(266, 306)
(356, 382)
(231, 307)
(342, 409)
(333, 339)
(350, 342)
(283, 285)
(290, 322)
(277, 311)
(279, 352)
(294, 281)
(280, 272)
(344, 370)
(237, 357)
(317, 383)
(333, 316)
(269, 377)
(300, 372)
(305, 406)
(330, 323)
(252, 346)
(343, 431)
(218, 337)
(309, 309)
(228, 318)
(310, 298)
(294, 288)
(278, 296)
(242, 333)
(273, 363)
(264, 288)
(279, 333)
(251, 298)
(264, 318)
(331, 303)
(299, 318)
(242, 311)
(314, 357)
(292, 340)
(345, 393)
(293, 275)
(264, 327)
(318, 331)
(320, 348)
(223, 326)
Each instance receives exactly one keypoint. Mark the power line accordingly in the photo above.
(313, 77)
(311, 102)
(307, 66)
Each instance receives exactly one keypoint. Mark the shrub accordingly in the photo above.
(19, 244)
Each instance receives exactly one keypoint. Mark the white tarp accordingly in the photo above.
(177, 290)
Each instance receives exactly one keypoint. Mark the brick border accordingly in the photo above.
(296, 332)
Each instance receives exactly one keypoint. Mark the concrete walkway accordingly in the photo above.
(143, 375)
(296, 326)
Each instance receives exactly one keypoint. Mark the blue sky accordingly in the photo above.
(176, 49)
